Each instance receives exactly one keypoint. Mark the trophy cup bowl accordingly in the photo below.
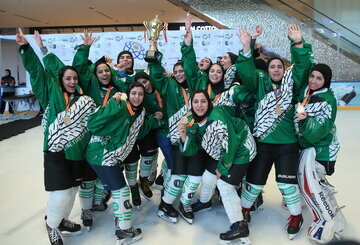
(154, 28)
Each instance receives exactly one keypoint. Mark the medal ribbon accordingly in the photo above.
(303, 103)
(107, 95)
(67, 102)
(276, 90)
(209, 93)
(185, 97)
(158, 97)
(131, 111)
(192, 122)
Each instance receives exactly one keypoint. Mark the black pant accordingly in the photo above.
(3, 102)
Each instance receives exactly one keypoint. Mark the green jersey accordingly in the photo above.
(318, 128)
(175, 96)
(225, 138)
(274, 116)
(115, 128)
(65, 117)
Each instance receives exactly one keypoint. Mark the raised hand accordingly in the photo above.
(158, 115)
(38, 40)
(122, 65)
(218, 174)
(108, 59)
(245, 38)
(182, 131)
(257, 31)
(120, 96)
(153, 43)
(87, 38)
(301, 115)
(188, 22)
(294, 33)
(20, 38)
(188, 34)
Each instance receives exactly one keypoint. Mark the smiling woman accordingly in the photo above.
(230, 145)
(65, 135)
(69, 78)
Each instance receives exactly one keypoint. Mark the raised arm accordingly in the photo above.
(80, 61)
(188, 58)
(300, 56)
(158, 79)
(245, 67)
(38, 77)
(51, 62)
(257, 31)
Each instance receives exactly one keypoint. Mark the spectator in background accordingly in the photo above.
(8, 87)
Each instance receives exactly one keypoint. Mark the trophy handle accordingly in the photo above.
(146, 24)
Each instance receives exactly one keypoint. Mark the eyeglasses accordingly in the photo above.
(179, 71)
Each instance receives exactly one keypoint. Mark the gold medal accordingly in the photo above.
(183, 120)
(300, 109)
(67, 120)
(278, 110)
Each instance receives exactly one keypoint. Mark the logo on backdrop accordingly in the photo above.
(136, 49)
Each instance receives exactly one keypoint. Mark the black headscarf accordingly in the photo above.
(196, 117)
(131, 69)
(138, 108)
(183, 84)
(268, 63)
(97, 63)
(325, 70)
(142, 75)
(219, 87)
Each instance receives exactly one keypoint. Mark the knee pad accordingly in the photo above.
(225, 188)
(209, 179)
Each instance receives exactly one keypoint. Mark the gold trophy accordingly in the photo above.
(154, 28)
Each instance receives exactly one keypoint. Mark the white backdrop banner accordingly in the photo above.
(207, 43)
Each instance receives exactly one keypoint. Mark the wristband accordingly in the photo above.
(44, 50)
(297, 43)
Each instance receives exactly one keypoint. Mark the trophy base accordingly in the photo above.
(151, 56)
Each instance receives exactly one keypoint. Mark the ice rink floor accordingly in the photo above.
(23, 200)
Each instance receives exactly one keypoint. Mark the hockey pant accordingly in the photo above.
(319, 196)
